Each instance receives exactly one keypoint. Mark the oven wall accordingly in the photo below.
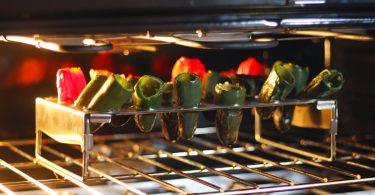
(356, 60)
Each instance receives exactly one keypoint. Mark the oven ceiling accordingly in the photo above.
(225, 24)
(125, 16)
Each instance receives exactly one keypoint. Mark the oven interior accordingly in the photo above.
(125, 161)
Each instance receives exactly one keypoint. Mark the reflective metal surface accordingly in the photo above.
(247, 167)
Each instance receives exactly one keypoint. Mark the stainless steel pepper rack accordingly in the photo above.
(69, 125)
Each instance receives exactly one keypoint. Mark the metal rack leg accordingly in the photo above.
(321, 105)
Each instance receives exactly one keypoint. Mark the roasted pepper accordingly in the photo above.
(122, 120)
(282, 118)
(148, 95)
(278, 85)
(96, 72)
(251, 67)
(192, 65)
(301, 76)
(253, 84)
(208, 86)
(112, 95)
(325, 84)
(187, 88)
(169, 121)
(69, 82)
(228, 121)
(132, 79)
(90, 90)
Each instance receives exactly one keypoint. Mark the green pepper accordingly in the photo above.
(325, 84)
(118, 121)
(147, 95)
(228, 121)
(282, 117)
(89, 91)
(252, 84)
(208, 86)
(132, 79)
(112, 95)
(301, 76)
(169, 121)
(278, 85)
(187, 89)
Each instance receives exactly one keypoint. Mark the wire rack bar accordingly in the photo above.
(151, 157)
(331, 168)
(6, 190)
(231, 163)
(201, 166)
(296, 187)
(349, 142)
(152, 178)
(68, 158)
(27, 177)
(260, 159)
(170, 169)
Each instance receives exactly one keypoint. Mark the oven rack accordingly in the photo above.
(353, 165)
(69, 125)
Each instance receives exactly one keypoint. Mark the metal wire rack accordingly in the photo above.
(198, 166)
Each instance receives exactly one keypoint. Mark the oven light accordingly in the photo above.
(88, 41)
(264, 39)
(305, 2)
(33, 41)
(21, 39)
(55, 46)
(173, 40)
(48, 46)
(336, 35)
(126, 52)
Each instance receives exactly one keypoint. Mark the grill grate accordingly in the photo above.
(248, 167)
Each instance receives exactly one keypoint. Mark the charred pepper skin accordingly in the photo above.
(325, 84)
(208, 88)
(90, 90)
(147, 95)
(228, 121)
(282, 118)
(301, 76)
(118, 121)
(253, 84)
(187, 89)
(169, 121)
(112, 95)
(278, 85)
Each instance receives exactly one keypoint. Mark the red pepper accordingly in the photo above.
(251, 67)
(228, 73)
(193, 65)
(70, 82)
